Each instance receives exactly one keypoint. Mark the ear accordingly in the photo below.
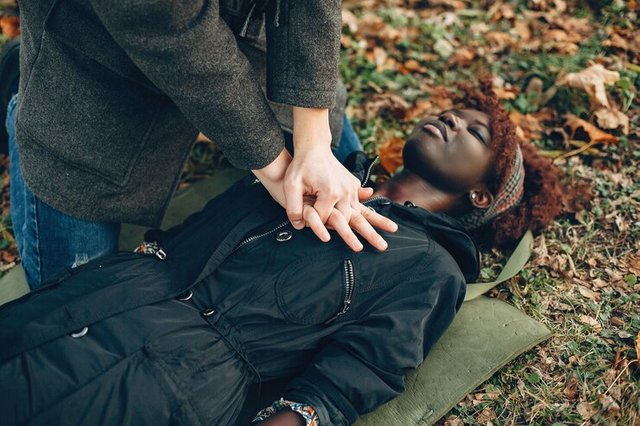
(480, 197)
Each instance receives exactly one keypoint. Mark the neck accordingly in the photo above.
(407, 186)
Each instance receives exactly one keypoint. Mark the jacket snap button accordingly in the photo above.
(187, 295)
(283, 236)
(409, 204)
(80, 333)
(385, 202)
(208, 312)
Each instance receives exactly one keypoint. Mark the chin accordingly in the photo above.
(417, 155)
(422, 161)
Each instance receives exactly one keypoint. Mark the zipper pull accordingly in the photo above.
(344, 310)
(160, 254)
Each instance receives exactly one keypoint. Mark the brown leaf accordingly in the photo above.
(385, 104)
(391, 154)
(609, 118)
(350, 21)
(414, 66)
(530, 125)
(638, 348)
(463, 57)
(617, 42)
(609, 405)
(592, 80)
(7, 257)
(571, 388)
(594, 134)
(591, 322)
(589, 294)
(499, 40)
(10, 26)
(586, 410)
(506, 93)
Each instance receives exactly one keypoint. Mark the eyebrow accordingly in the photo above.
(459, 114)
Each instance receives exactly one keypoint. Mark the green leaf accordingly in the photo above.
(631, 279)
(533, 378)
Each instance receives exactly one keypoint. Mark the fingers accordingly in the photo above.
(293, 194)
(362, 226)
(377, 220)
(324, 205)
(338, 222)
(313, 221)
(364, 193)
(363, 223)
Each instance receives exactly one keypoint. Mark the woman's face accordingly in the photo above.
(452, 151)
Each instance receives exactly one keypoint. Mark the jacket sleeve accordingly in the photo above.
(191, 55)
(303, 47)
(364, 363)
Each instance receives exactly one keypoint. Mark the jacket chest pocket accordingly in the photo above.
(316, 291)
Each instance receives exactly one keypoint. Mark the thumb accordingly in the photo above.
(294, 203)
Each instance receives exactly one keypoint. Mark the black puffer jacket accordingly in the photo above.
(240, 297)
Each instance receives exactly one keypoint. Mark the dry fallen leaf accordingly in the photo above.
(586, 410)
(10, 26)
(522, 29)
(617, 42)
(591, 322)
(529, 126)
(594, 134)
(463, 57)
(391, 154)
(609, 118)
(350, 21)
(592, 80)
(571, 388)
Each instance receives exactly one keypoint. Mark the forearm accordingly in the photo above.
(191, 55)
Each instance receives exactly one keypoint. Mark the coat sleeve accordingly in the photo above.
(364, 363)
(303, 48)
(191, 55)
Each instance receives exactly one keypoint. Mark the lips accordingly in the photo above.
(439, 125)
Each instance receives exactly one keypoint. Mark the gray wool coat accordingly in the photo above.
(113, 93)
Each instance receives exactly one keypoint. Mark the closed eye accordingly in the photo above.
(478, 135)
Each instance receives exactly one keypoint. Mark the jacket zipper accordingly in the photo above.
(349, 284)
(369, 169)
(258, 236)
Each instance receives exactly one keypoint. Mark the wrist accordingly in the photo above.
(274, 171)
(311, 129)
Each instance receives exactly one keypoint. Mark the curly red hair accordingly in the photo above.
(543, 192)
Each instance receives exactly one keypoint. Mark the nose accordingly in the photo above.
(451, 120)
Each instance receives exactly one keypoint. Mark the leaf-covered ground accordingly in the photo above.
(568, 72)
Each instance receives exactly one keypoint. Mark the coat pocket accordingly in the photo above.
(316, 292)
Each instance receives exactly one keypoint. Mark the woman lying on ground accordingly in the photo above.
(178, 335)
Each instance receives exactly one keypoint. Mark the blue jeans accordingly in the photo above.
(48, 240)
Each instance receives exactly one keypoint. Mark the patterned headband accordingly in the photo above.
(509, 196)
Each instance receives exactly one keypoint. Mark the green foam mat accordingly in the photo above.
(485, 335)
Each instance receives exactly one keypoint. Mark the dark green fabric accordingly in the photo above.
(485, 335)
